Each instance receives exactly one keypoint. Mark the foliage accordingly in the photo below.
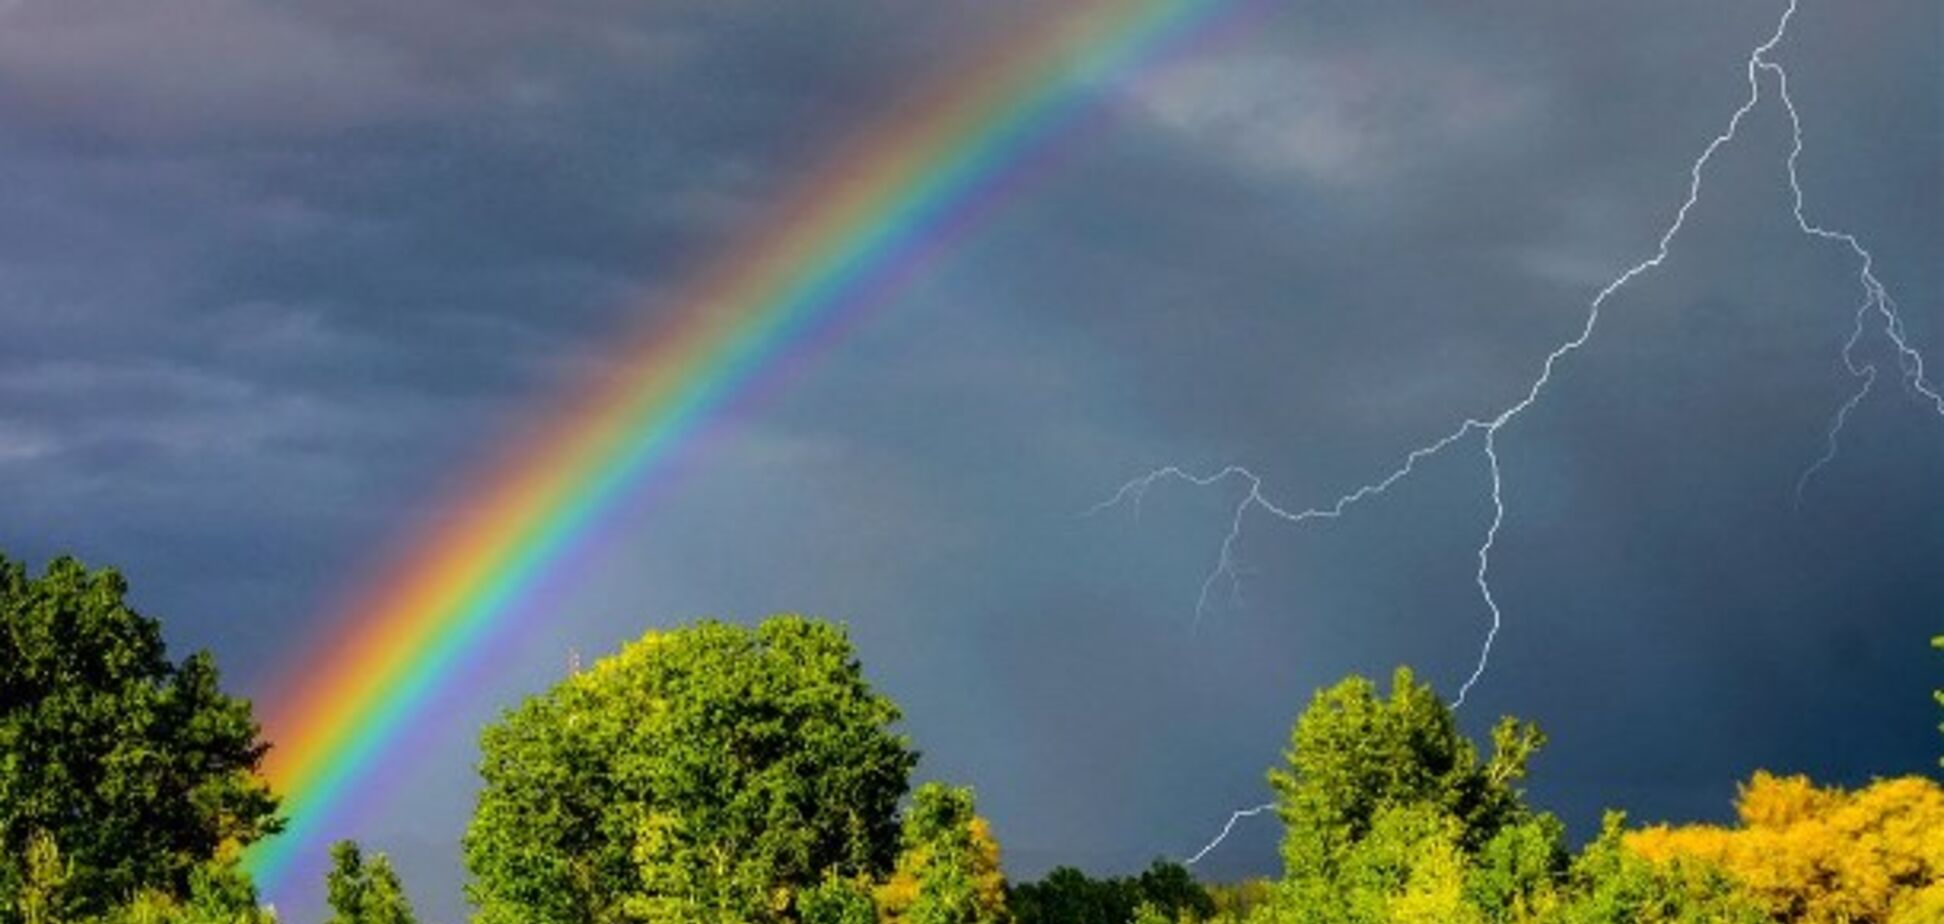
(1516, 875)
(724, 774)
(1611, 884)
(838, 901)
(364, 892)
(43, 873)
(155, 908)
(219, 893)
(948, 871)
(1408, 869)
(1172, 889)
(1926, 906)
(1068, 896)
(1822, 855)
(1392, 818)
(1389, 810)
(1236, 901)
(712, 773)
(137, 770)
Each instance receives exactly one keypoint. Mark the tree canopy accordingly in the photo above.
(718, 773)
(1609, 883)
(1386, 803)
(1393, 817)
(362, 891)
(1821, 855)
(1066, 895)
(711, 773)
(948, 870)
(137, 772)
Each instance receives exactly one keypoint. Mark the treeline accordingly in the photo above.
(1165, 891)
(722, 774)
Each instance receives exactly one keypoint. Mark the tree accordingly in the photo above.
(219, 893)
(948, 870)
(364, 892)
(36, 897)
(1172, 889)
(713, 773)
(1068, 896)
(139, 771)
(1408, 869)
(1612, 884)
(838, 901)
(1516, 876)
(1822, 855)
(1388, 806)
(1238, 901)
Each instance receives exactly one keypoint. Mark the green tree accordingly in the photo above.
(1387, 806)
(713, 773)
(1611, 884)
(1172, 889)
(43, 874)
(219, 893)
(948, 870)
(1068, 896)
(364, 892)
(1407, 869)
(838, 901)
(1516, 876)
(141, 770)
(1237, 901)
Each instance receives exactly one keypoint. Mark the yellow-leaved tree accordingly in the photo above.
(1817, 855)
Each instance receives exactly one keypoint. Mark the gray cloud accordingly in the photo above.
(274, 277)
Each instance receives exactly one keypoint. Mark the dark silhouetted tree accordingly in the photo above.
(1065, 894)
(137, 771)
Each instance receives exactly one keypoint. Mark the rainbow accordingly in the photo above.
(848, 237)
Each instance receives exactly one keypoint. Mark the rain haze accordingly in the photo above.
(276, 279)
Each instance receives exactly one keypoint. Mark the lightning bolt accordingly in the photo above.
(1876, 301)
(1877, 304)
(1234, 817)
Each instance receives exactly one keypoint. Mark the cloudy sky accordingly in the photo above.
(275, 277)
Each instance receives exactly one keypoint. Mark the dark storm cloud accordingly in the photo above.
(275, 276)
(236, 229)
